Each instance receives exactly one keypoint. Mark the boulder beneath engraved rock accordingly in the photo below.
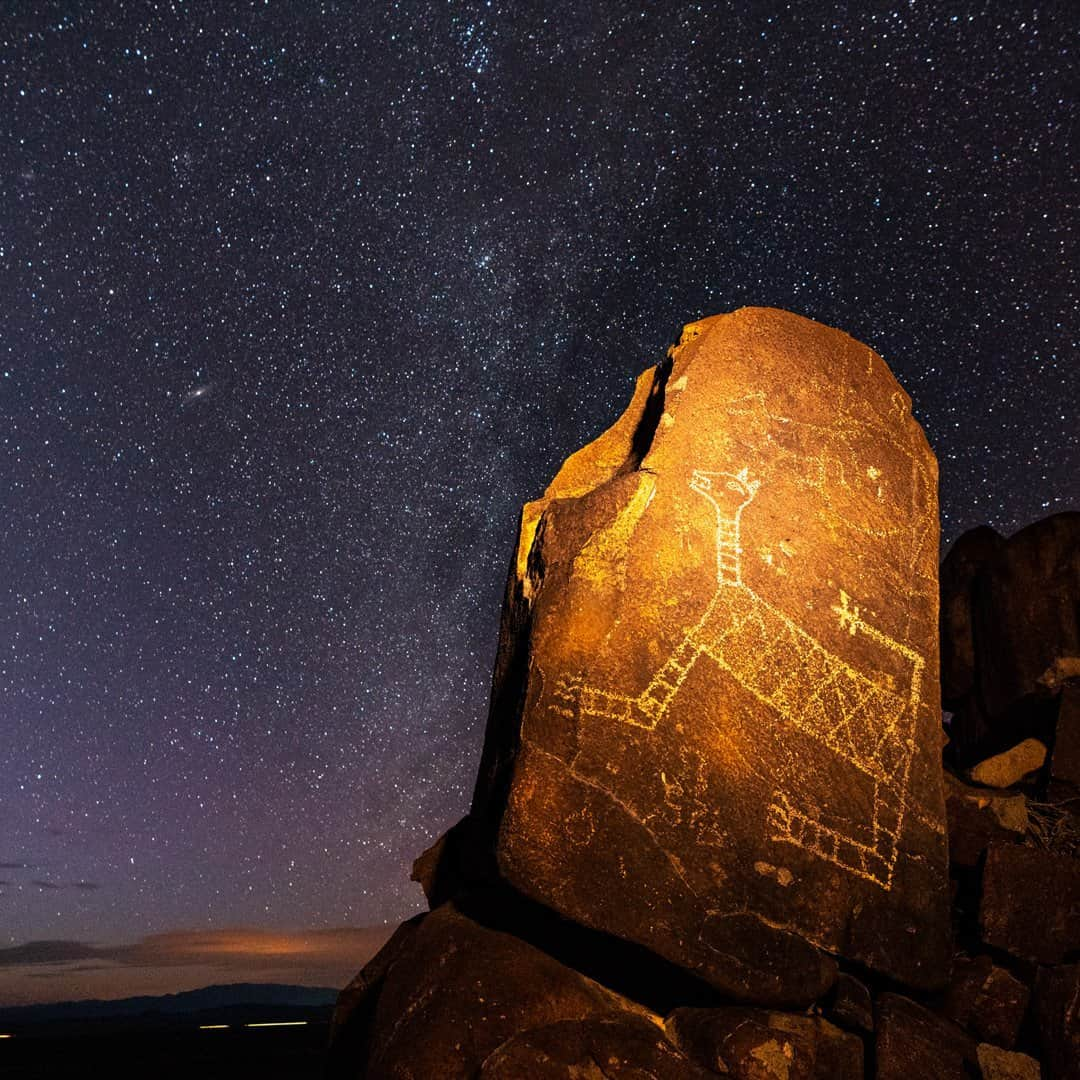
(715, 728)
(914, 1042)
(615, 1046)
(351, 1028)
(446, 992)
(1010, 631)
(752, 1044)
(1030, 904)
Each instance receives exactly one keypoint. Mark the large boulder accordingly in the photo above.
(446, 992)
(1010, 632)
(715, 721)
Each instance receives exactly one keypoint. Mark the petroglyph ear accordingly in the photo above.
(750, 486)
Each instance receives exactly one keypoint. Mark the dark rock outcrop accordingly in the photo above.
(1010, 632)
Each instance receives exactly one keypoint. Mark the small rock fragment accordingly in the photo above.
(1011, 766)
(998, 1064)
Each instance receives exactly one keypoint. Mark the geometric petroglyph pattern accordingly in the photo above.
(863, 721)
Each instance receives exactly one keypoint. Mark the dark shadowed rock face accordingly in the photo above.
(715, 721)
(1057, 1014)
(986, 1000)
(1065, 764)
(978, 816)
(1010, 631)
(1030, 903)
(851, 1005)
(914, 1042)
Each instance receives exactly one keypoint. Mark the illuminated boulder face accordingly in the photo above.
(715, 730)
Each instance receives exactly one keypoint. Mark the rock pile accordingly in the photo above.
(710, 833)
(1010, 643)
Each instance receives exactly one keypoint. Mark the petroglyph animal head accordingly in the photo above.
(728, 492)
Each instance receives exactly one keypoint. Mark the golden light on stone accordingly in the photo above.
(721, 685)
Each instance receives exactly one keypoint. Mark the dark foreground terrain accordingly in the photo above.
(107, 1050)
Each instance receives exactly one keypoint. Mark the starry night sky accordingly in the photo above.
(300, 302)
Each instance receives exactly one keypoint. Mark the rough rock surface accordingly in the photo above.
(987, 1000)
(851, 1004)
(616, 1046)
(1031, 903)
(1010, 630)
(441, 998)
(1010, 766)
(752, 1044)
(914, 1042)
(714, 731)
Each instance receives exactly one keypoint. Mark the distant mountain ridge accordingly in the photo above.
(209, 998)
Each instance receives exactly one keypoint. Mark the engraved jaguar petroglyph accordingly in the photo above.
(861, 719)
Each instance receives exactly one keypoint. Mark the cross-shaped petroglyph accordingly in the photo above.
(861, 720)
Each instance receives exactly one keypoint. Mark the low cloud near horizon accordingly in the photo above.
(60, 970)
